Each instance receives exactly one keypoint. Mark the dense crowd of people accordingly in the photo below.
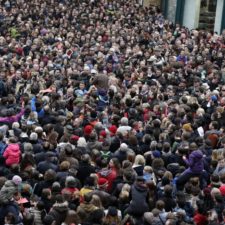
(110, 115)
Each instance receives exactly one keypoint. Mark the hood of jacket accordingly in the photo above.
(140, 188)
(105, 172)
(13, 147)
(197, 154)
(88, 207)
(61, 207)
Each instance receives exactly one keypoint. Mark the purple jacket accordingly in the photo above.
(12, 119)
(195, 162)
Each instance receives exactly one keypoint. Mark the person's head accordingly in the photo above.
(72, 217)
(95, 200)
(114, 163)
(46, 193)
(64, 166)
(87, 198)
(168, 190)
(139, 160)
(50, 175)
(160, 205)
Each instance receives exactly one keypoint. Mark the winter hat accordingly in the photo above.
(70, 182)
(81, 142)
(33, 136)
(16, 180)
(88, 129)
(123, 147)
(69, 128)
(214, 98)
(156, 154)
(74, 138)
(102, 182)
(103, 133)
(222, 190)
(93, 71)
(113, 129)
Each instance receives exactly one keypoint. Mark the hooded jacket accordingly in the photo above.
(110, 175)
(138, 205)
(59, 212)
(12, 154)
(195, 162)
(7, 192)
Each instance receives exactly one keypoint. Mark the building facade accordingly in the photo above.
(202, 14)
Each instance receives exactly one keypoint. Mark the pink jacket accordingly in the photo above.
(12, 154)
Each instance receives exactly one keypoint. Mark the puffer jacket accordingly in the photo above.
(12, 154)
(7, 192)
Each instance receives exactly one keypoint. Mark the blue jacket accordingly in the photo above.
(41, 113)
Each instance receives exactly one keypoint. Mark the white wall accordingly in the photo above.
(219, 13)
(191, 13)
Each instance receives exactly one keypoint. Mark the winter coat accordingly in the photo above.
(86, 209)
(195, 162)
(110, 175)
(84, 171)
(7, 192)
(59, 212)
(10, 207)
(200, 219)
(46, 165)
(12, 154)
(138, 205)
(120, 155)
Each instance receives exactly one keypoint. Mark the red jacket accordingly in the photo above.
(200, 219)
(110, 175)
(12, 154)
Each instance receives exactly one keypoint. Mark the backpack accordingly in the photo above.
(105, 155)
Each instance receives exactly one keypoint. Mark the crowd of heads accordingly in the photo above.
(110, 115)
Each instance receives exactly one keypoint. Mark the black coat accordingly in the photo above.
(46, 165)
(84, 171)
(138, 205)
(59, 212)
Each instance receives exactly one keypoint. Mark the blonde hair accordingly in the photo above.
(96, 201)
(148, 169)
(125, 192)
(168, 175)
(139, 160)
